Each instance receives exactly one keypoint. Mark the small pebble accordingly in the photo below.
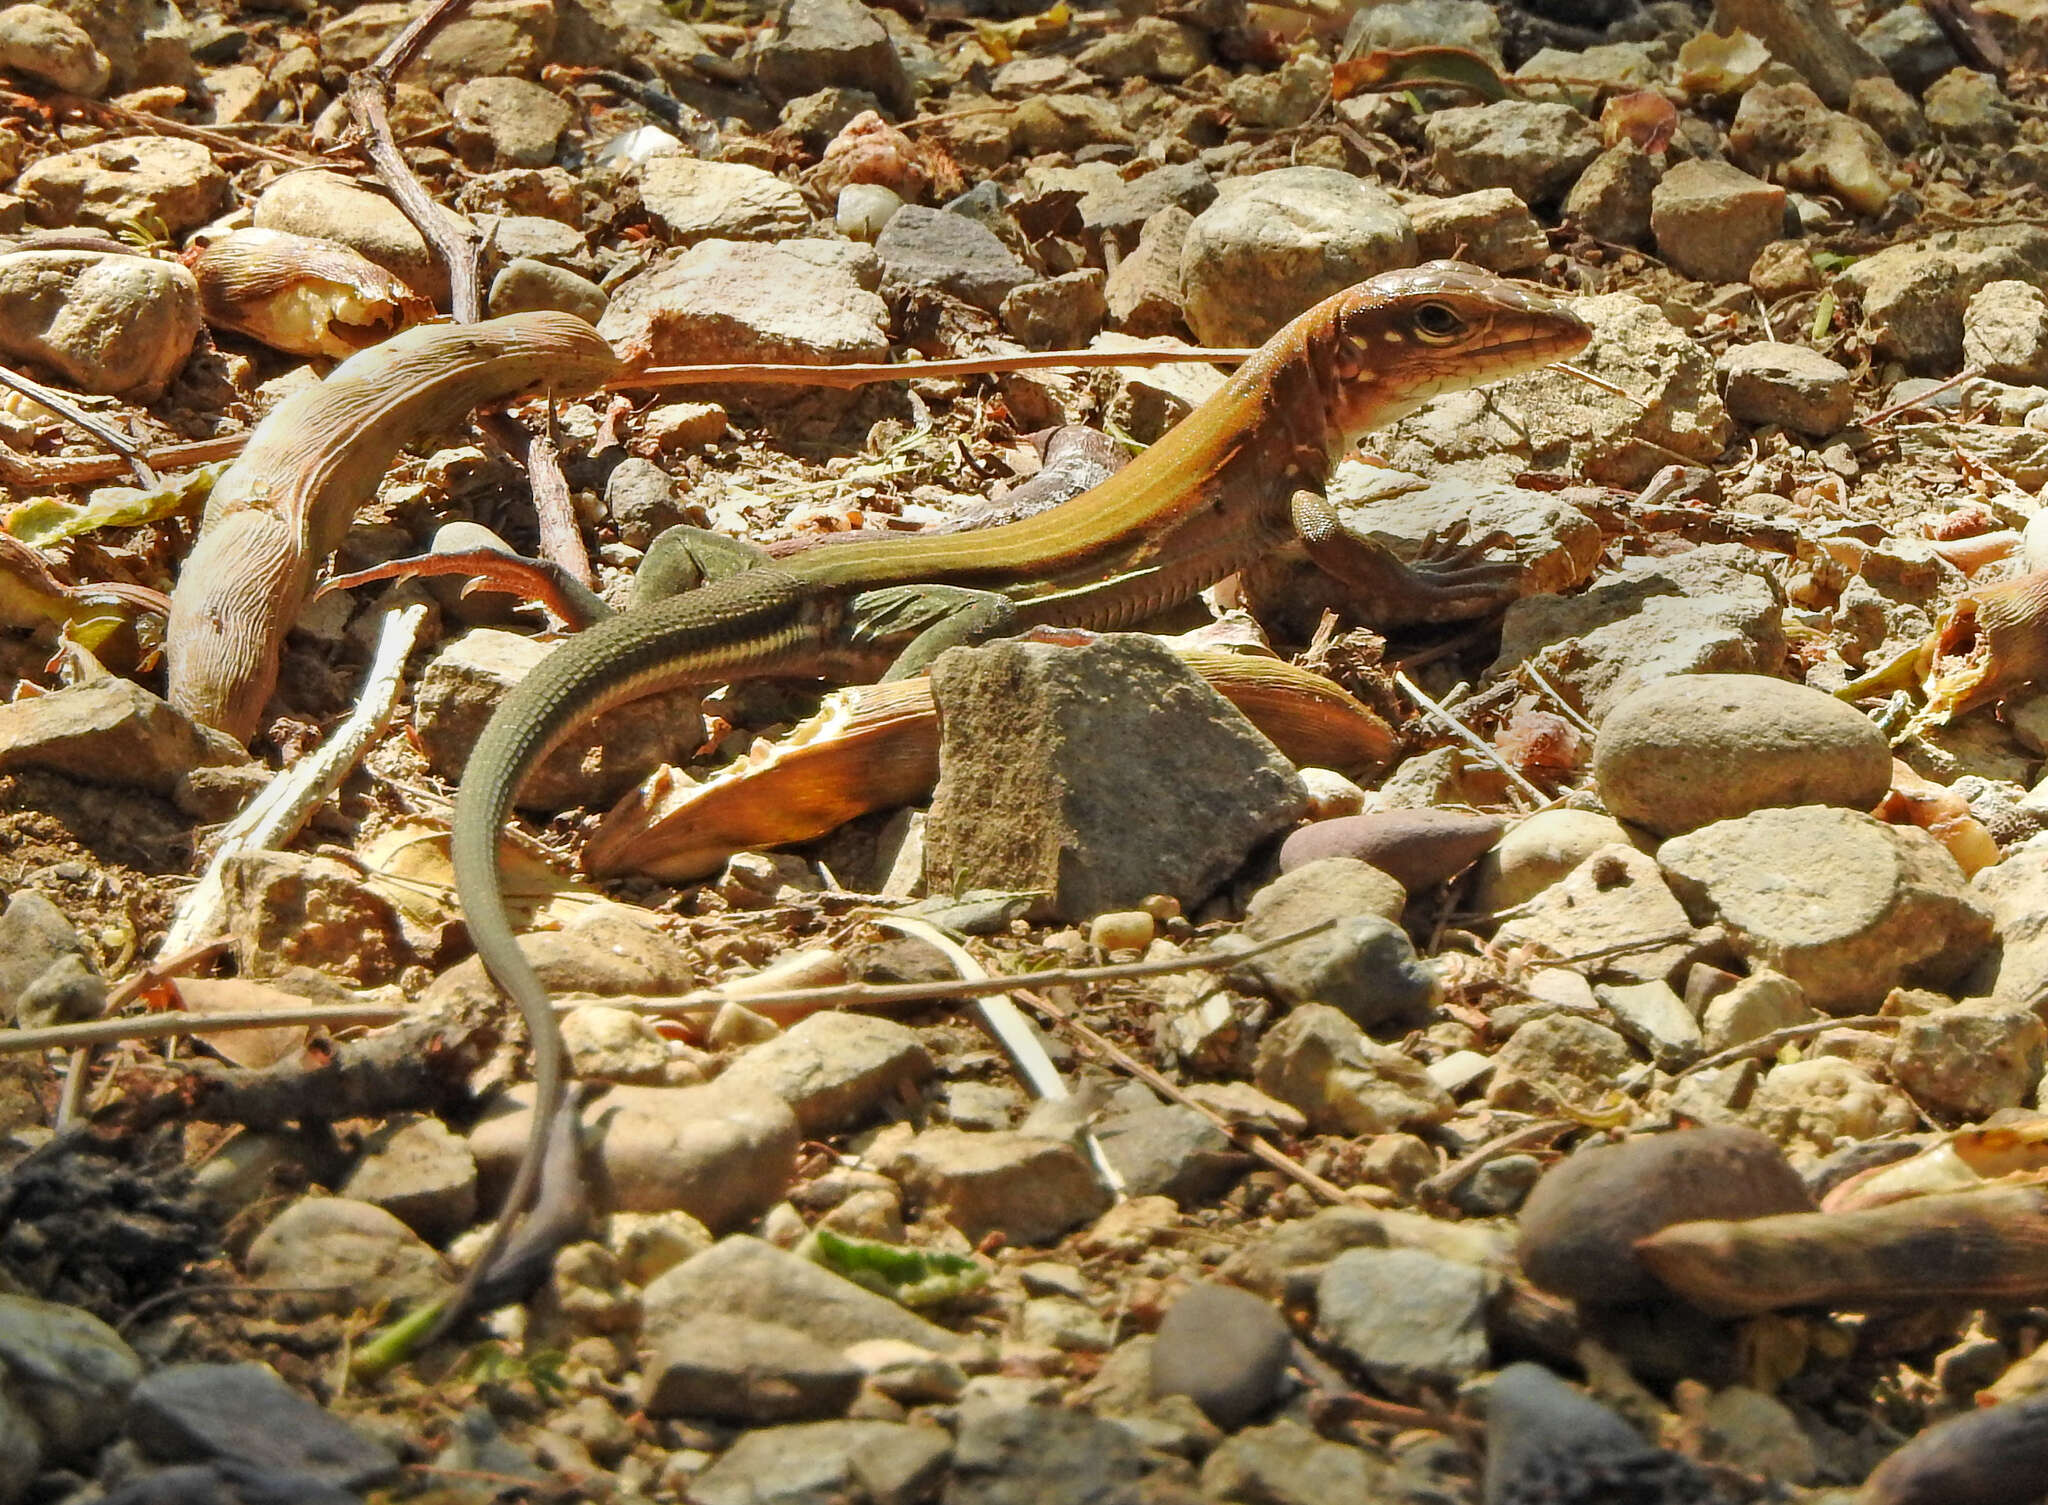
(1419, 848)
(1122, 930)
(1224, 1348)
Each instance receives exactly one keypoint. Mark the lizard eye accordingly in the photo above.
(1438, 323)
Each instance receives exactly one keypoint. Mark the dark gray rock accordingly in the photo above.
(737, 1369)
(1041, 1455)
(923, 247)
(1171, 1150)
(880, 1462)
(1546, 1444)
(1363, 965)
(244, 1414)
(1225, 1349)
(228, 1484)
(818, 44)
(46, 975)
(643, 500)
(1407, 1318)
(1101, 775)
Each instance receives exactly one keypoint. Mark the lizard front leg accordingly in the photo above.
(1448, 584)
(927, 620)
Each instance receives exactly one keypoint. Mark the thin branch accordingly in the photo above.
(159, 125)
(1601, 382)
(1919, 399)
(80, 470)
(1765, 1045)
(1469, 737)
(177, 1022)
(794, 1000)
(64, 408)
(862, 373)
(1245, 1138)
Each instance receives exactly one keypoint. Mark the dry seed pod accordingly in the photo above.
(1992, 642)
(1942, 814)
(1975, 1246)
(284, 505)
(300, 294)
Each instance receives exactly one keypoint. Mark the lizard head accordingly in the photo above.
(1401, 338)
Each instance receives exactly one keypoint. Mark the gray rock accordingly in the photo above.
(1579, 1227)
(1490, 228)
(931, 248)
(690, 200)
(1969, 1061)
(1546, 1444)
(1843, 904)
(1118, 208)
(1226, 1349)
(1711, 219)
(109, 731)
(723, 1156)
(1171, 1150)
(1757, 1433)
(68, 1379)
(1758, 1004)
(1101, 775)
(1028, 1189)
(2015, 971)
(1656, 1018)
(1273, 244)
(1288, 1464)
(349, 1255)
(1149, 47)
(1059, 313)
(1318, 1061)
(112, 184)
(1328, 888)
(725, 300)
(1891, 112)
(1558, 1062)
(1287, 96)
(463, 684)
(1912, 47)
(1788, 385)
(1144, 292)
(1535, 149)
(1709, 611)
(1964, 105)
(2005, 331)
(833, 1069)
(1914, 293)
(737, 1369)
(1498, 1187)
(1424, 23)
(418, 1170)
(1031, 1455)
(643, 499)
(1066, 1324)
(244, 1414)
(1611, 199)
(46, 974)
(117, 325)
(818, 44)
(745, 1277)
(507, 122)
(1407, 1319)
(1614, 905)
(885, 1462)
(1698, 748)
(46, 44)
(1363, 966)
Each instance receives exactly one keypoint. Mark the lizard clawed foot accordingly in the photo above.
(1452, 579)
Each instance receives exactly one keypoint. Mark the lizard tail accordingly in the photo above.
(751, 624)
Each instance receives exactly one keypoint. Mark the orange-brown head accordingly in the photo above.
(1394, 341)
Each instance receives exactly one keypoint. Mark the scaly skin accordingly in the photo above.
(1238, 477)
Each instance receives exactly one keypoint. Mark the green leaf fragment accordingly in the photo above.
(914, 1277)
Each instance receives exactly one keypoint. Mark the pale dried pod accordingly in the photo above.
(300, 294)
(1993, 641)
(1972, 1247)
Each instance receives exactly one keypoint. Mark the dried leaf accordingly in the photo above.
(1391, 70)
(1718, 65)
(1644, 118)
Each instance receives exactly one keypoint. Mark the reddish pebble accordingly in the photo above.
(1419, 848)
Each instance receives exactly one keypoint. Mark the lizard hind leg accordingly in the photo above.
(932, 618)
(682, 558)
